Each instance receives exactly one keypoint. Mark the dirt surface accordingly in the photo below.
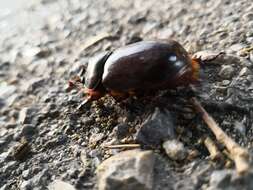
(45, 44)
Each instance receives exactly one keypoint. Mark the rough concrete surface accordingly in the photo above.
(44, 140)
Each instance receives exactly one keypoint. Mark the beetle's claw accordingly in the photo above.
(87, 100)
(119, 96)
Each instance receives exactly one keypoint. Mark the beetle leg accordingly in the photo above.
(89, 96)
(94, 94)
(132, 93)
(118, 95)
(84, 102)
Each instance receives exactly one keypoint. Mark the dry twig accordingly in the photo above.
(123, 146)
(239, 155)
(246, 50)
(215, 154)
(94, 40)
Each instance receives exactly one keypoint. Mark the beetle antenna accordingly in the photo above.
(75, 83)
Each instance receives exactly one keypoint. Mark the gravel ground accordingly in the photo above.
(45, 44)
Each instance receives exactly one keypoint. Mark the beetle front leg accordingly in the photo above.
(83, 103)
(90, 95)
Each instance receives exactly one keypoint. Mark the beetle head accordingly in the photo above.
(186, 69)
(189, 73)
(95, 70)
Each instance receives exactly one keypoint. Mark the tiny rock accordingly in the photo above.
(60, 185)
(225, 82)
(30, 51)
(166, 33)
(244, 72)
(157, 128)
(26, 115)
(33, 84)
(95, 137)
(236, 47)
(251, 56)
(219, 58)
(83, 158)
(6, 91)
(175, 150)
(121, 130)
(226, 72)
(36, 51)
(229, 179)
(25, 174)
(131, 169)
(3, 157)
(28, 130)
(206, 55)
(240, 126)
(43, 53)
(37, 181)
(248, 16)
(21, 150)
(220, 179)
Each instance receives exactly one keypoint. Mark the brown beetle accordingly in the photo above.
(139, 67)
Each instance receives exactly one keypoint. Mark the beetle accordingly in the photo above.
(138, 67)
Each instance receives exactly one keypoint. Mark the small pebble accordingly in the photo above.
(175, 150)
(226, 72)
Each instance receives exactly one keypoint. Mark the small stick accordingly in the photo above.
(245, 50)
(94, 40)
(227, 154)
(240, 155)
(215, 154)
(123, 146)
